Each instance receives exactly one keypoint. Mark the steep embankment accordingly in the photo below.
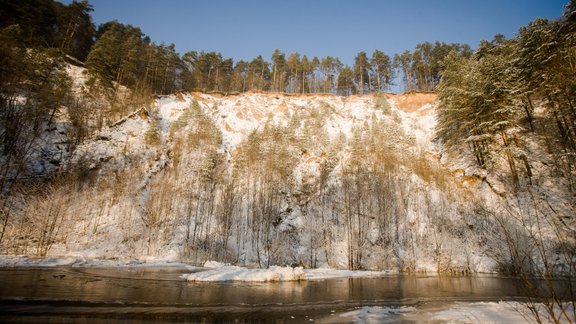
(272, 179)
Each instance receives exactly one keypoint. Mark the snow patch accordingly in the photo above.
(461, 312)
(483, 312)
(377, 314)
(19, 261)
(234, 273)
(220, 272)
(327, 273)
(215, 264)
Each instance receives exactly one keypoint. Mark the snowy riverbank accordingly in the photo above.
(219, 272)
(457, 312)
(17, 261)
(212, 271)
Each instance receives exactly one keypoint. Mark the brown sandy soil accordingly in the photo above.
(412, 101)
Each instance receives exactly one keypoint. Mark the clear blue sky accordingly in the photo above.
(245, 29)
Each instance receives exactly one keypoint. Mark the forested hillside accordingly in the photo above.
(114, 146)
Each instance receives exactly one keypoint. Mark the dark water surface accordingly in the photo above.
(127, 295)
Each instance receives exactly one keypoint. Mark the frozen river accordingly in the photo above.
(160, 295)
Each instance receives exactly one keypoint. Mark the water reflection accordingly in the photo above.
(150, 293)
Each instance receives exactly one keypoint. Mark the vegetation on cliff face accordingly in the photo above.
(511, 107)
(262, 179)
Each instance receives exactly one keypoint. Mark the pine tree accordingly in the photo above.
(76, 30)
(294, 72)
(476, 105)
(422, 66)
(38, 20)
(224, 81)
(278, 70)
(259, 74)
(345, 84)
(240, 76)
(315, 66)
(115, 55)
(37, 76)
(306, 67)
(381, 70)
(361, 68)
(330, 67)
(403, 62)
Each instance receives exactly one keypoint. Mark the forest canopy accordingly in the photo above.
(116, 53)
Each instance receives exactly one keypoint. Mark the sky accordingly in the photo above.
(244, 29)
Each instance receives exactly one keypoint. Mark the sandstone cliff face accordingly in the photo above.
(271, 179)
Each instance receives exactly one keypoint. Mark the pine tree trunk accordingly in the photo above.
(529, 109)
(303, 81)
(274, 86)
(570, 104)
(369, 84)
(361, 82)
(510, 158)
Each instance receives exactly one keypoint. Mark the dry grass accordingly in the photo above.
(381, 102)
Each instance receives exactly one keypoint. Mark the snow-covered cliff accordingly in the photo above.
(274, 179)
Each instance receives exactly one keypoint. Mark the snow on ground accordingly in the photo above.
(374, 314)
(487, 312)
(326, 273)
(419, 125)
(235, 273)
(213, 271)
(509, 312)
(460, 312)
(13, 261)
(78, 76)
(124, 143)
(479, 312)
(483, 312)
(115, 146)
(237, 116)
(220, 272)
